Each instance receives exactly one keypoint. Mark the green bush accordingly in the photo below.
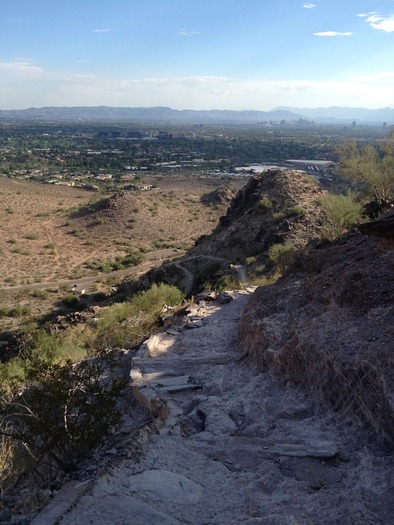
(128, 324)
(40, 294)
(279, 216)
(63, 422)
(70, 300)
(17, 311)
(339, 212)
(31, 236)
(281, 255)
(263, 205)
(250, 260)
(295, 211)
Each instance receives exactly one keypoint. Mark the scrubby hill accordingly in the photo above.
(151, 219)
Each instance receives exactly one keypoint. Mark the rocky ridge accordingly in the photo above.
(274, 207)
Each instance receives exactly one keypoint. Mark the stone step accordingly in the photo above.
(182, 363)
(66, 498)
(316, 449)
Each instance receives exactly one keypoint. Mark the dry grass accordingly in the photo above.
(7, 453)
(39, 241)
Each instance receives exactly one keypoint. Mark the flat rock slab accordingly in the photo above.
(118, 510)
(172, 331)
(163, 380)
(215, 358)
(185, 387)
(159, 345)
(165, 486)
(317, 449)
(62, 502)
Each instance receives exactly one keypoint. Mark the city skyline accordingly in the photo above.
(184, 54)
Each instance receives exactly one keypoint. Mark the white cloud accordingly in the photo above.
(381, 23)
(183, 32)
(309, 6)
(22, 66)
(386, 76)
(332, 33)
(100, 30)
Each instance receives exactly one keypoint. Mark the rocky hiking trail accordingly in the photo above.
(232, 446)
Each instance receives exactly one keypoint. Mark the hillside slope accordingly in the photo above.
(329, 327)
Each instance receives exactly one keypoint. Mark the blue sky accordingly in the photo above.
(197, 54)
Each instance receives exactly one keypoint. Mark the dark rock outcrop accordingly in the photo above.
(383, 226)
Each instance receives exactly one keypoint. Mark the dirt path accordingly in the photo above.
(237, 448)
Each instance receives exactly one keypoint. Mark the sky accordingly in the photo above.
(197, 54)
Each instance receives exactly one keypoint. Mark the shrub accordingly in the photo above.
(40, 294)
(66, 419)
(278, 216)
(263, 205)
(339, 213)
(18, 311)
(31, 236)
(295, 211)
(250, 260)
(281, 255)
(373, 166)
(127, 324)
(7, 451)
(70, 300)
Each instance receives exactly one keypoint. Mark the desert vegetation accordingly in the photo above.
(61, 395)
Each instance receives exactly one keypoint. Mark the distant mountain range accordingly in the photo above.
(337, 115)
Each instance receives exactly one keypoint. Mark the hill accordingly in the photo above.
(327, 327)
(51, 234)
(280, 396)
(276, 207)
(337, 114)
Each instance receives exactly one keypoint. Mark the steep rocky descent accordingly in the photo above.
(233, 447)
(329, 327)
